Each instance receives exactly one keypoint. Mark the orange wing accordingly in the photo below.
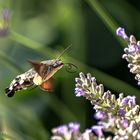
(48, 85)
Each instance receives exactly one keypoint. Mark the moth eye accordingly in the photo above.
(57, 63)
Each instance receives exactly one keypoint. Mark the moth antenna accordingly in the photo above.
(69, 67)
(64, 51)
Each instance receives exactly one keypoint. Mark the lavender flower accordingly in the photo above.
(121, 115)
(74, 127)
(132, 52)
(121, 112)
(79, 92)
(121, 32)
(6, 14)
(129, 99)
(72, 132)
(99, 115)
(4, 22)
(98, 130)
(67, 132)
(87, 135)
(124, 123)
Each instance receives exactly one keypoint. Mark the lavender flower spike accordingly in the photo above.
(120, 116)
(132, 52)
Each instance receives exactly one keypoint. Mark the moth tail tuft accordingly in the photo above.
(9, 92)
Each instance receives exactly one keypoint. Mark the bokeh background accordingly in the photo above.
(41, 30)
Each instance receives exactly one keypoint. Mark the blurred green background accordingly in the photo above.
(41, 30)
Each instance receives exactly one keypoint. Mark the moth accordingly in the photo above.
(40, 75)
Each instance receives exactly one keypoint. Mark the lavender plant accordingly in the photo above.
(119, 116)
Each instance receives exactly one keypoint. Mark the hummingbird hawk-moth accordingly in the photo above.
(40, 75)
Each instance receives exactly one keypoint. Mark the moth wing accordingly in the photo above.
(48, 85)
(40, 68)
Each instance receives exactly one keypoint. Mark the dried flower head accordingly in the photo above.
(132, 52)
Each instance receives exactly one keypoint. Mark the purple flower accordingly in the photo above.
(98, 130)
(99, 115)
(121, 32)
(139, 82)
(137, 77)
(133, 48)
(79, 92)
(4, 26)
(121, 112)
(93, 79)
(60, 130)
(129, 99)
(74, 127)
(124, 123)
(6, 14)
(67, 132)
(86, 134)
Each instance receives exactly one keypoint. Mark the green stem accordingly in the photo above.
(32, 44)
(9, 62)
(106, 18)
